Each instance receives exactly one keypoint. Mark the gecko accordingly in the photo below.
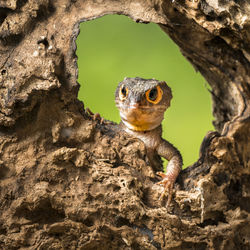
(142, 103)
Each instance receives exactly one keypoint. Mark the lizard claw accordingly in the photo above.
(168, 183)
(95, 117)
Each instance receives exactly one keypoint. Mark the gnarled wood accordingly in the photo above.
(67, 181)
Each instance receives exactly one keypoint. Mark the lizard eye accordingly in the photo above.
(154, 95)
(123, 93)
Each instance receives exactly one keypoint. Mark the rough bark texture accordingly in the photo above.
(67, 182)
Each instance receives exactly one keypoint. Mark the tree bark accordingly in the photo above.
(69, 182)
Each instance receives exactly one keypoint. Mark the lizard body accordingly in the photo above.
(142, 103)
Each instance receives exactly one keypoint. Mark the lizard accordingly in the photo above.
(142, 103)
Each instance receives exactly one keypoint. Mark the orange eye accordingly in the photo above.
(154, 95)
(123, 93)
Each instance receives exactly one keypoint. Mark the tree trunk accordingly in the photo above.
(69, 182)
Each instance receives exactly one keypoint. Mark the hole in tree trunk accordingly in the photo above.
(113, 47)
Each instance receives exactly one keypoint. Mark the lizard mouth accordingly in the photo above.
(159, 108)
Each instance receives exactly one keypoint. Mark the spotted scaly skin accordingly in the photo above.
(142, 103)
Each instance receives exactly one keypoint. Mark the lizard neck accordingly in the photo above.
(151, 138)
(140, 127)
(130, 130)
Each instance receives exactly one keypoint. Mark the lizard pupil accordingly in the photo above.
(153, 94)
(124, 91)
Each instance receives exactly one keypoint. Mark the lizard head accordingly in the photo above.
(142, 102)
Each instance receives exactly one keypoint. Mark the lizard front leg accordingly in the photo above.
(172, 154)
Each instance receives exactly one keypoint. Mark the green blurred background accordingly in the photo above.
(113, 47)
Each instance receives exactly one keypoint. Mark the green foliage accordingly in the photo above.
(113, 47)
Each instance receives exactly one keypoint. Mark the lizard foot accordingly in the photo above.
(168, 183)
(95, 117)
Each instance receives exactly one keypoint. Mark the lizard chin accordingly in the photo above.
(141, 120)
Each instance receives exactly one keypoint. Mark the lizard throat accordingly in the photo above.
(141, 125)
